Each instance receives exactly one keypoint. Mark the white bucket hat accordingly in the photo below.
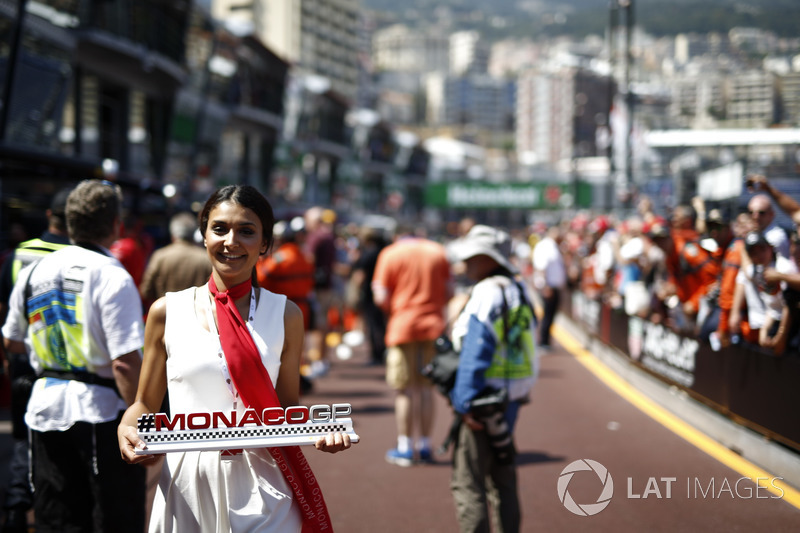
(485, 240)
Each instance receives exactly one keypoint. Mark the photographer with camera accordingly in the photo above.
(494, 334)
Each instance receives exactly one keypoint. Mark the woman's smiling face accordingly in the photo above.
(234, 239)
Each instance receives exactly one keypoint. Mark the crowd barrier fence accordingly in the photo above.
(749, 385)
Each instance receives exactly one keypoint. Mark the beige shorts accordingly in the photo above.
(325, 299)
(404, 363)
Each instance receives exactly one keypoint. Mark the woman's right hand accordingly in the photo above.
(129, 442)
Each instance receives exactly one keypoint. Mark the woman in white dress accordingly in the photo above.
(249, 363)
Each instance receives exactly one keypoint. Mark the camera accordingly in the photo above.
(489, 408)
(442, 369)
(761, 282)
(443, 344)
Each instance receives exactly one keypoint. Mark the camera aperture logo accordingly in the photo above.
(585, 509)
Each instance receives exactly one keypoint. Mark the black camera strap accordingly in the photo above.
(523, 301)
(505, 333)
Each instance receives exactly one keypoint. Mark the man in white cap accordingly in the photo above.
(497, 369)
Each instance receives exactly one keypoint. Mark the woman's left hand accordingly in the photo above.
(333, 442)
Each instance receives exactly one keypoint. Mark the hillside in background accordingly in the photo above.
(578, 18)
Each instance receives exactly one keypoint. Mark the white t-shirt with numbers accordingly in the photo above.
(85, 311)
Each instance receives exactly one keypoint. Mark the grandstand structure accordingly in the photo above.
(723, 138)
(688, 155)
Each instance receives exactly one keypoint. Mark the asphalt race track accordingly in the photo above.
(578, 441)
(661, 482)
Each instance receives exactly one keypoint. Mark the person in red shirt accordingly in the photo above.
(320, 246)
(133, 249)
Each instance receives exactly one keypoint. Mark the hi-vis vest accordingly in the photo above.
(29, 252)
(513, 357)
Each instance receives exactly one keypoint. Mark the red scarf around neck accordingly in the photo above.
(251, 380)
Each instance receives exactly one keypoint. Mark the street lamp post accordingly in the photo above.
(613, 22)
(627, 6)
(8, 83)
(13, 56)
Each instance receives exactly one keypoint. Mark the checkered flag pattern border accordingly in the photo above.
(236, 437)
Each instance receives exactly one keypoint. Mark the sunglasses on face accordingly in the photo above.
(759, 211)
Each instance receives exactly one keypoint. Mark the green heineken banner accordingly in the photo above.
(481, 195)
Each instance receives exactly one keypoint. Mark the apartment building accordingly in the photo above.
(698, 101)
(400, 48)
(790, 98)
(479, 100)
(318, 37)
(751, 99)
(468, 53)
(558, 112)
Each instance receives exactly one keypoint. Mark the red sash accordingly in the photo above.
(255, 388)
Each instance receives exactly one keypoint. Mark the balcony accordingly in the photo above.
(137, 40)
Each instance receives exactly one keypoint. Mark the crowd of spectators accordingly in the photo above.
(725, 278)
(720, 275)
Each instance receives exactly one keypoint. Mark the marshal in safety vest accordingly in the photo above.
(29, 252)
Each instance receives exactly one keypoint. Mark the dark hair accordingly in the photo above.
(755, 238)
(246, 196)
(58, 208)
(91, 210)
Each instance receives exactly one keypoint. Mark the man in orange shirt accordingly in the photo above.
(412, 284)
(732, 262)
(716, 236)
(287, 270)
(691, 269)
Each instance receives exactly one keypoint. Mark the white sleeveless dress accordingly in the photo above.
(203, 491)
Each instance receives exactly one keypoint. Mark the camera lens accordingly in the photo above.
(500, 438)
(443, 344)
(489, 408)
